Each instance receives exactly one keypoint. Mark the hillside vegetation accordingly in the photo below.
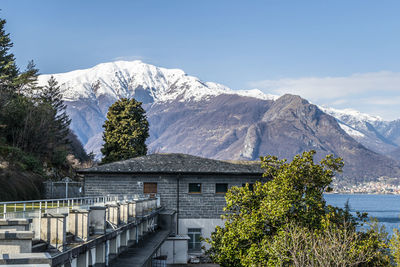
(35, 139)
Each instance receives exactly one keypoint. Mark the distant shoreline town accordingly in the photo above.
(383, 185)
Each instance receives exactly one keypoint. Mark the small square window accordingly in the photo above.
(221, 188)
(194, 188)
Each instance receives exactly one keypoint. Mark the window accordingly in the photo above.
(250, 186)
(194, 242)
(221, 188)
(195, 188)
(150, 188)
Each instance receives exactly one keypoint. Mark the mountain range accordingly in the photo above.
(208, 119)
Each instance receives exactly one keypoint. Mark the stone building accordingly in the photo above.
(194, 187)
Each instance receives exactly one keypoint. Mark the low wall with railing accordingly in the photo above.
(88, 231)
(28, 209)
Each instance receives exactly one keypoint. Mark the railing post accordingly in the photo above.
(24, 209)
(5, 211)
(40, 217)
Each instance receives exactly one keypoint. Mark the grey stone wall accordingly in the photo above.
(207, 204)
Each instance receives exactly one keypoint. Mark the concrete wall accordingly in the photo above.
(53, 228)
(78, 223)
(207, 204)
(15, 242)
(207, 226)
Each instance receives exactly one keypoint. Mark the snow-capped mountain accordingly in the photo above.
(208, 119)
(137, 79)
(371, 131)
(89, 92)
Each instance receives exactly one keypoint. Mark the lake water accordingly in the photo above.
(386, 208)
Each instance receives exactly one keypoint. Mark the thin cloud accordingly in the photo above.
(377, 93)
(384, 101)
(128, 58)
(316, 88)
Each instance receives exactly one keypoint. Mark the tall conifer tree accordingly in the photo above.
(8, 68)
(125, 131)
(51, 95)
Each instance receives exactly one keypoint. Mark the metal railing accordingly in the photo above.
(30, 208)
(25, 207)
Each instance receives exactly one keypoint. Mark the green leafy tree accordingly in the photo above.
(125, 131)
(395, 246)
(257, 222)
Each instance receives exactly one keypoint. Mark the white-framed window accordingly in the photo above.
(194, 242)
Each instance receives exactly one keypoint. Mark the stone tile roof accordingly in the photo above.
(176, 163)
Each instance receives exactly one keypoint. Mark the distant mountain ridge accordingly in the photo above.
(208, 119)
(371, 131)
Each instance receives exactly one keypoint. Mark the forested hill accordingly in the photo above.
(35, 139)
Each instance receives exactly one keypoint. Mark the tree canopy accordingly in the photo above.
(125, 131)
(34, 127)
(286, 222)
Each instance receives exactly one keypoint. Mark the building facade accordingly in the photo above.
(194, 187)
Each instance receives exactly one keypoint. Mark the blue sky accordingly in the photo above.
(343, 54)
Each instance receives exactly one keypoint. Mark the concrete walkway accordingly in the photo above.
(138, 255)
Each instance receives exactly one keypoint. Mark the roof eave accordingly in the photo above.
(172, 172)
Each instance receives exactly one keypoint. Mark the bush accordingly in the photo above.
(23, 160)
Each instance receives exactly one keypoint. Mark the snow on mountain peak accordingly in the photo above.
(354, 114)
(132, 78)
(117, 79)
(366, 129)
(125, 78)
(256, 93)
